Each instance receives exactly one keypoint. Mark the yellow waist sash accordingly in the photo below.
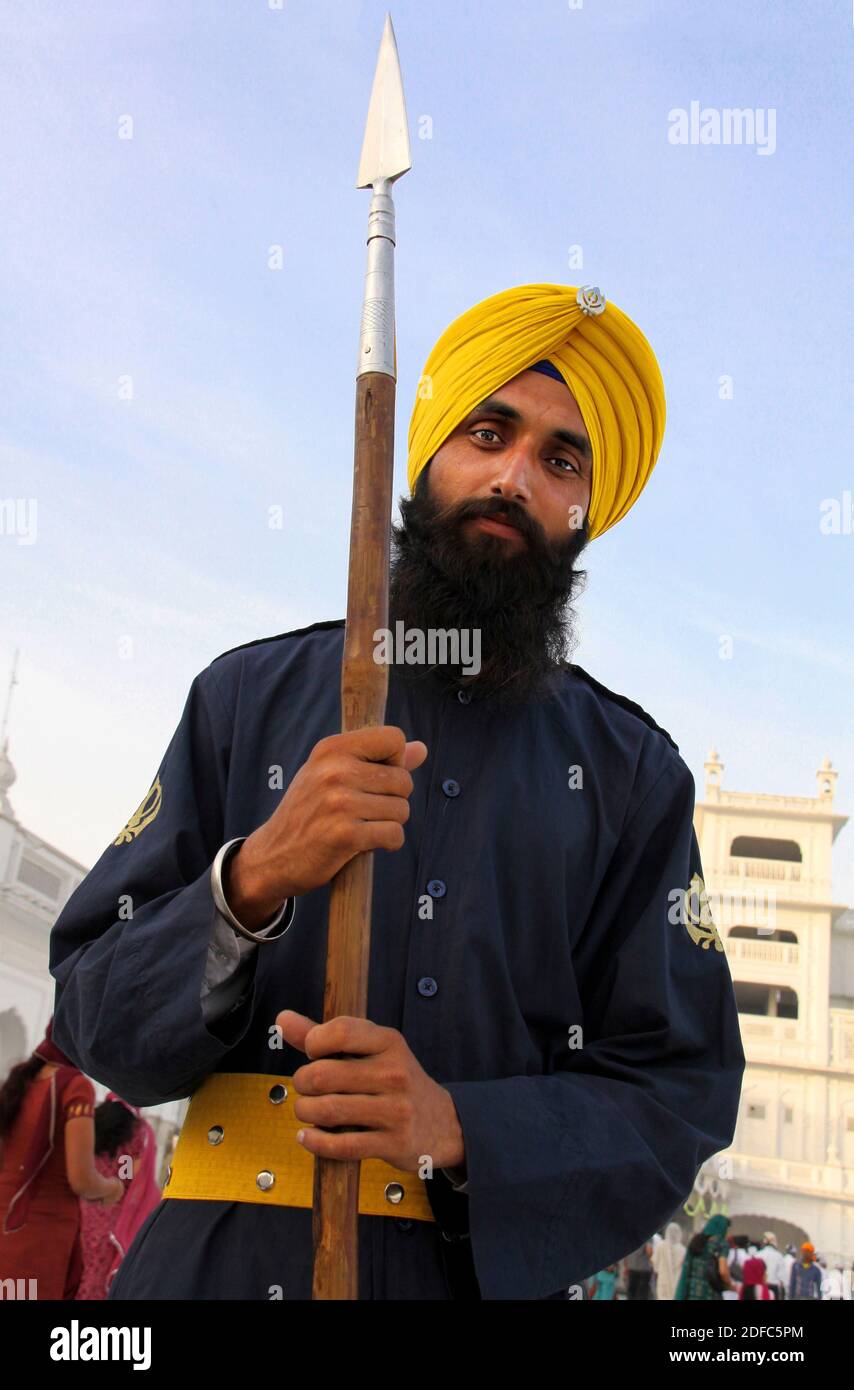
(238, 1144)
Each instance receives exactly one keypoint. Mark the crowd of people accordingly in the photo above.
(77, 1179)
(716, 1265)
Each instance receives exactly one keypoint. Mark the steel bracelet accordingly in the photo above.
(288, 906)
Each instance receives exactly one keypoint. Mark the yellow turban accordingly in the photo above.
(603, 357)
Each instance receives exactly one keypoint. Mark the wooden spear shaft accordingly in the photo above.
(364, 682)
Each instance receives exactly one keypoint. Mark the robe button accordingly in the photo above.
(216, 1134)
(403, 1223)
(450, 787)
(265, 1180)
(394, 1193)
(427, 986)
(436, 888)
(464, 697)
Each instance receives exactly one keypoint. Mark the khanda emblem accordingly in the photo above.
(143, 815)
(698, 916)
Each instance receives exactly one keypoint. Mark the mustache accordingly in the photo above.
(496, 509)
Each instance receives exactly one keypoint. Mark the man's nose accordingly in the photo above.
(513, 475)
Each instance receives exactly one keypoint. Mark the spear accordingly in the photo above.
(364, 682)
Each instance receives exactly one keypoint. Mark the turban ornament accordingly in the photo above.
(598, 352)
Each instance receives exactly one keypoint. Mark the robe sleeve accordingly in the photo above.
(227, 977)
(570, 1170)
(130, 949)
(230, 967)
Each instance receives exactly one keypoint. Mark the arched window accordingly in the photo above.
(764, 847)
(754, 934)
(768, 1001)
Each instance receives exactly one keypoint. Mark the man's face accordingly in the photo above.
(522, 458)
(524, 455)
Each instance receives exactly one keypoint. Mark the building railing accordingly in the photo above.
(769, 800)
(773, 1040)
(776, 1030)
(745, 949)
(818, 1179)
(779, 1039)
(765, 868)
(785, 879)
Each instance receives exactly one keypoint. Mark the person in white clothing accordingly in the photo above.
(775, 1264)
(667, 1257)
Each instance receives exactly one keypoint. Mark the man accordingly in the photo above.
(552, 1048)
(805, 1279)
(789, 1261)
(639, 1267)
(775, 1264)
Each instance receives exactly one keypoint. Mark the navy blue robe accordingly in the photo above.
(552, 910)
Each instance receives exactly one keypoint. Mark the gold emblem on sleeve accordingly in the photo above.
(143, 815)
(698, 916)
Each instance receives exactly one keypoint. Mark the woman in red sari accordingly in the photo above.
(47, 1162)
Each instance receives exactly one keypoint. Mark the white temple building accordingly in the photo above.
(36, 880)
(767, 869)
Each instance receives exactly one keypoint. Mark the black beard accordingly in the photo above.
(441, 578)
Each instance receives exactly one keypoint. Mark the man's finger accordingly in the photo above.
(356, 1036)
(347, 1112)
(345, 1147)
(340, 1076)
(294, 1027)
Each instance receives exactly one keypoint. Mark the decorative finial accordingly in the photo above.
(826, 778)
(713, 767)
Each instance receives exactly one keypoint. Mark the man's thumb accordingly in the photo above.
(414, 754)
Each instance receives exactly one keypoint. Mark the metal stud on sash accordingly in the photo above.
(278, 1094)
(394, 1192)
(216, 1134)
(265, 1180)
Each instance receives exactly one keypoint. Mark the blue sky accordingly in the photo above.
(147, 258)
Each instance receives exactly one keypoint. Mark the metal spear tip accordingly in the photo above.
(385, 149)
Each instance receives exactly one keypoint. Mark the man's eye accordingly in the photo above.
(484, 429)
(571, 462)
